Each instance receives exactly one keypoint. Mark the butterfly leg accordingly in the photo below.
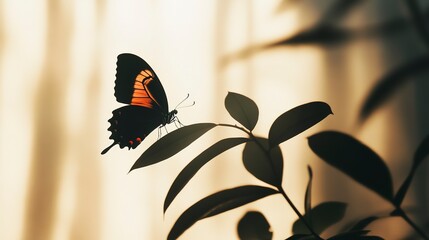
(178, 124)
(176, 119)
(159, 132)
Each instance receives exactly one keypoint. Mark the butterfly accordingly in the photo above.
(138, 86)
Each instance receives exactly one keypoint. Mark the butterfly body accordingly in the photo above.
(137, 84)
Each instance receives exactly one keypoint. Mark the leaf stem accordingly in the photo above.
(399, 212)
(301, 217)
(279, 187)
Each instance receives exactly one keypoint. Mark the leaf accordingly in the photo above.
(321, 34)
(302, 237)
(297, 120)
(307, 199)
(421, 154)
(327, 33)
(196, 164)
(242, 109)
(321, 217)
(362, 224)
(354, 159)
(254, 226)
(171, 144)
(218, 203)
(390, 83)
(259, 164)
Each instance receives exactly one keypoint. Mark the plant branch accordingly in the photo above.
(279, 187)
(399, 212)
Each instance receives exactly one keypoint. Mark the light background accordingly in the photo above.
(56, 94)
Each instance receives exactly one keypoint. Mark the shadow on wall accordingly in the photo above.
(52, 141)
(387, 48)
(49, 124)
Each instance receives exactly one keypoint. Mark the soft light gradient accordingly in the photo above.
(57, 71)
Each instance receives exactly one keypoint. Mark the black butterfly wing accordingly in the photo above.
(137, 84)
(131, 124)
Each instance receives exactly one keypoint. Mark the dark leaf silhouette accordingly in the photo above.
(307, 198)
(242, 109)
(321, 217)
(331, 35)
(266, 168)
(196, 164)
(254, 226)
(354, 159)
(327, 31)
(171, 144)
(391, 82)
(302, 237)
(421, 153)
(218, 203)
(362, 224)
(324, 34)
(297, 120)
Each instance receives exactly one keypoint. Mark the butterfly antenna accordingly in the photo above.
(190, 105)
(187, 96)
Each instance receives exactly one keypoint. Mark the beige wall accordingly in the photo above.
(56, 94)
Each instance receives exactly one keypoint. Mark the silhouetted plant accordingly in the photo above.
(263, 158)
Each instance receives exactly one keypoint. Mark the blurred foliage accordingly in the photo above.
(329, 32)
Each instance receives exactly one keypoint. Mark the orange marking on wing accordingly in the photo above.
(141, 96)
(140, 78)
(144, 102)
(140, 93)
(138, 85)
(146, 73)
